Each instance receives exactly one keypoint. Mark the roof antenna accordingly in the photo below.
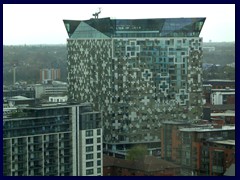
(97, 13)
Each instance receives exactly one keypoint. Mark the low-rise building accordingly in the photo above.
(148, 166)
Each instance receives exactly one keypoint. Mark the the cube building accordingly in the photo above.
(138, 72)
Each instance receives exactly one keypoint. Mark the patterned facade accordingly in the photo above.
(136, 79)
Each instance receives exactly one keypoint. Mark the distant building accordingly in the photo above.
(53, 140)
(209, 49)
(56, 88)
(220, 83)
(23, 90)
(218, 98)
(58, 99)
(139, 72)
(20, 101)
(148, 166)
(49, 75)
(192, 156)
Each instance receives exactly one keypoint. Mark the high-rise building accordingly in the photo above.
(138, 72)
(53, 140)
(49, 75)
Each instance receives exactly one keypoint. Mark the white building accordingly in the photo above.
(53, 140)
(219, 98)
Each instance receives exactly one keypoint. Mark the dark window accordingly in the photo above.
(89, 171)
(89, 141)
(89, 156)
(89, 149)
(89, 164)
(99, 162)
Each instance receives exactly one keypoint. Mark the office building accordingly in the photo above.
(138, 72)
(53, 140)
(55, 88)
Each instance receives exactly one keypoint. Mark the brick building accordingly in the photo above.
(170, 141)
(148, 166)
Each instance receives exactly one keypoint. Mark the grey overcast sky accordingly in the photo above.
(42, 23)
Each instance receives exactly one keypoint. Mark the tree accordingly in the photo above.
(137, 152)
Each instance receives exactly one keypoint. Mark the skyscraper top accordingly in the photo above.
(160, 27)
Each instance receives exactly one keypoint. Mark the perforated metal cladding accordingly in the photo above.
(137, 83)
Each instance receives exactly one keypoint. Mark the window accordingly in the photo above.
(98, 155)
(99, 147)
(89, 149)
(99, 132)
(99, 162)
(98, 170)
(89, 133)
(89, 141)
(89, 164)
(89, 156)
(98, 140)
(89, 171)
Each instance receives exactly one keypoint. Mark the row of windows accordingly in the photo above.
(90, 171)
(90, 163)
(89, 133)
(90, 141)
(90, 156)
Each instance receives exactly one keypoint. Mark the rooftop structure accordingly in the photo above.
(109, 28)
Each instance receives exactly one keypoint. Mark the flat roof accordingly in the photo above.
(208, 129)
(176, 122)
(225, 142)
(223, 114)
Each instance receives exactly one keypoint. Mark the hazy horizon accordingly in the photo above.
(36, 24)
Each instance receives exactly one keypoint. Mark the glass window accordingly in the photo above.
(89, 141)
(89, 149)
(98, 155)
(89, 171)
(99, 147)
(89, 133)
(99, 162)
(89, 156)
(98, 140)
(89, 164)
(98, 170)
(99, 132)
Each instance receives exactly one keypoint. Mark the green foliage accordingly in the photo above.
(137, 152)
(30, 59)
(221, 72)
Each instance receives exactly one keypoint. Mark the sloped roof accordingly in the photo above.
(148, 164)
(155, 27)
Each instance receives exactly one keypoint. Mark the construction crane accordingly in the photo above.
(97, 13)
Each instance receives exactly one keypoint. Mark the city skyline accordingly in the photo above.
(36, 27)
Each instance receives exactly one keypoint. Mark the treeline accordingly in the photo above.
(30, 59)
(224, 53)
